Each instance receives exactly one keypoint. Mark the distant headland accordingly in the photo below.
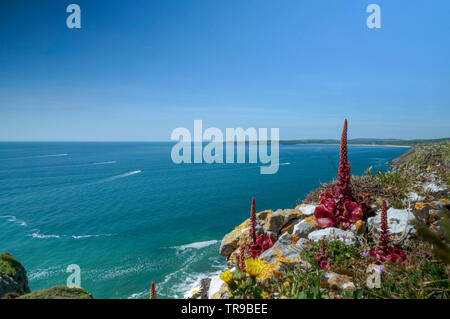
(366, 142)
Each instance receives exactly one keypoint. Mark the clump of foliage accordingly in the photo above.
(8, 265)
(243, 285)
(262, 243)
(394, 185)
(339, 255)
(300, 284)
(338, 207)
(420, 276)
(322, 258)
(10, 295)
(384, 252)
(440, 244)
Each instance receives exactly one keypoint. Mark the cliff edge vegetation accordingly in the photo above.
(380, 235)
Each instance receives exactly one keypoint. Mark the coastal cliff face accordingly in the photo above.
(13, 277)
(417, 195)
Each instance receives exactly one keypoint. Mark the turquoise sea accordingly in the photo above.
(127, 215)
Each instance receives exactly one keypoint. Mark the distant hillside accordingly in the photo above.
(369, 141)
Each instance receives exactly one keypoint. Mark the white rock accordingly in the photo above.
(432, 187)
(307, 209)
(214, 286)
(332, 233)
(414, 197)
(399, 220)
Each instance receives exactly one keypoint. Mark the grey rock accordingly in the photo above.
(301, 230)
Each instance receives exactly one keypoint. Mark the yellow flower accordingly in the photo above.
(227, 276)
(253, 266)
(419, 206)
(286, 284)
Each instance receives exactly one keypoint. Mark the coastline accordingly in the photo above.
(381, 145)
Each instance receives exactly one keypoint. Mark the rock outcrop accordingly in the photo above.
(13, 277)
(268, 222)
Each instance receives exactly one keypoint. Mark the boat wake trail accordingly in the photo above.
(113, 178)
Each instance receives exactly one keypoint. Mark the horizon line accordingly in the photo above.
(207, 141)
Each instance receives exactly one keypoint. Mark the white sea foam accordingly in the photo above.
(279, 164)
(120, 271)
(37, 274)
(109, 179)
(51, 155)
(90, 236)
(140, 295)
(104, 163)
(197, 245)
(13, 219)
(37, 234)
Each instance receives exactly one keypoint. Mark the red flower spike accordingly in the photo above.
(253, 221)
(384, 233)
(384, 252)
(152, 291)
(242, 259)
(338, 206)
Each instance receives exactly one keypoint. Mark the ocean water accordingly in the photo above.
(127, 215)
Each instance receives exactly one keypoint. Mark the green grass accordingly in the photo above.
(8, 265)
(58, 292)
(341, 256)
(395, 184)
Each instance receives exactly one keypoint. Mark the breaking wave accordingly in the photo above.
(13, 219)
(197, 245)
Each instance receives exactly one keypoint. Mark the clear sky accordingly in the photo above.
(136, 70)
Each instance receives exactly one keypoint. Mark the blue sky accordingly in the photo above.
(138, 69)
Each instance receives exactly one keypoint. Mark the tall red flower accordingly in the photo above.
(242, 258)
(384, 233)
(344, 165)
(152, 291)
(253, 221)
(384, 252)
(338, 206)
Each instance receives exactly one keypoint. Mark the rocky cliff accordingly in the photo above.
(13, 277)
